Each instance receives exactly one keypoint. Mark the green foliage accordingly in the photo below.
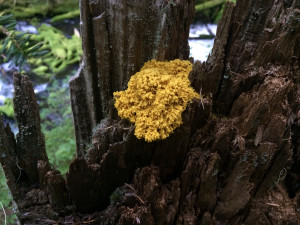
(18, 46)
(6, 200)
(210, 10)
(21, 47)
(31, 8)
(59, 135)
(207, 5)
(28, 12)
(67, 15)
(57, 125)
(60, 145)
(61, 7)
(7, 108)
(63, 51)
(221, 11)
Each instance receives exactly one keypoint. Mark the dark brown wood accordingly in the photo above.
(30, 139)
(20, 157)
(118, 38)
(256, 141)
(79, 102)
(24, 160)
(234, 160)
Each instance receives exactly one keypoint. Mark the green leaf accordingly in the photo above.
(2, 50)
(11, 25)
(11, 50)
(25, 40)
(18, 46)
(14, 60)
(20, 60)
(6, 17)
(30, 43)
(35, 48)
(22, 63)
(40, 53)
(7, 22)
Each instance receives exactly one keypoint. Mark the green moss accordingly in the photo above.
(60, 145)
(63, 51)
(32, 8)
(64, 6)
(67, 15)
(7, 109)
(57, 125)
(28, 12)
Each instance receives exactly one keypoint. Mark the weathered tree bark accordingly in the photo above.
(234, 160)
(29, 176)
(118, 37)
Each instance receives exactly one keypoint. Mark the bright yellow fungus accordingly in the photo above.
(156, 97)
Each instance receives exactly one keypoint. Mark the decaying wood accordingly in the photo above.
(235, 159)
(30, 139)
(21, 156)
(255, 61)
(24, 159)
(80, 109)
(118, 37)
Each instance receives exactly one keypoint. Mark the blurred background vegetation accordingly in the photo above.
(55, 23)
(209, 11)
(23, 9)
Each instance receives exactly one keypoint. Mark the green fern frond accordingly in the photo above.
(18, 47)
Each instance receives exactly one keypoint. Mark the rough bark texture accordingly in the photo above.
(235, 159)
(24, 159)
(118, 37)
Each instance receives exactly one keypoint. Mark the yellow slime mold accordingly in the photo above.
(156, 97)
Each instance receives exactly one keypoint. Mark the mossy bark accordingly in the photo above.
(234, 160)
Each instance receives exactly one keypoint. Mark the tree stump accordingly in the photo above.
(118, 37)
(234, 160)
